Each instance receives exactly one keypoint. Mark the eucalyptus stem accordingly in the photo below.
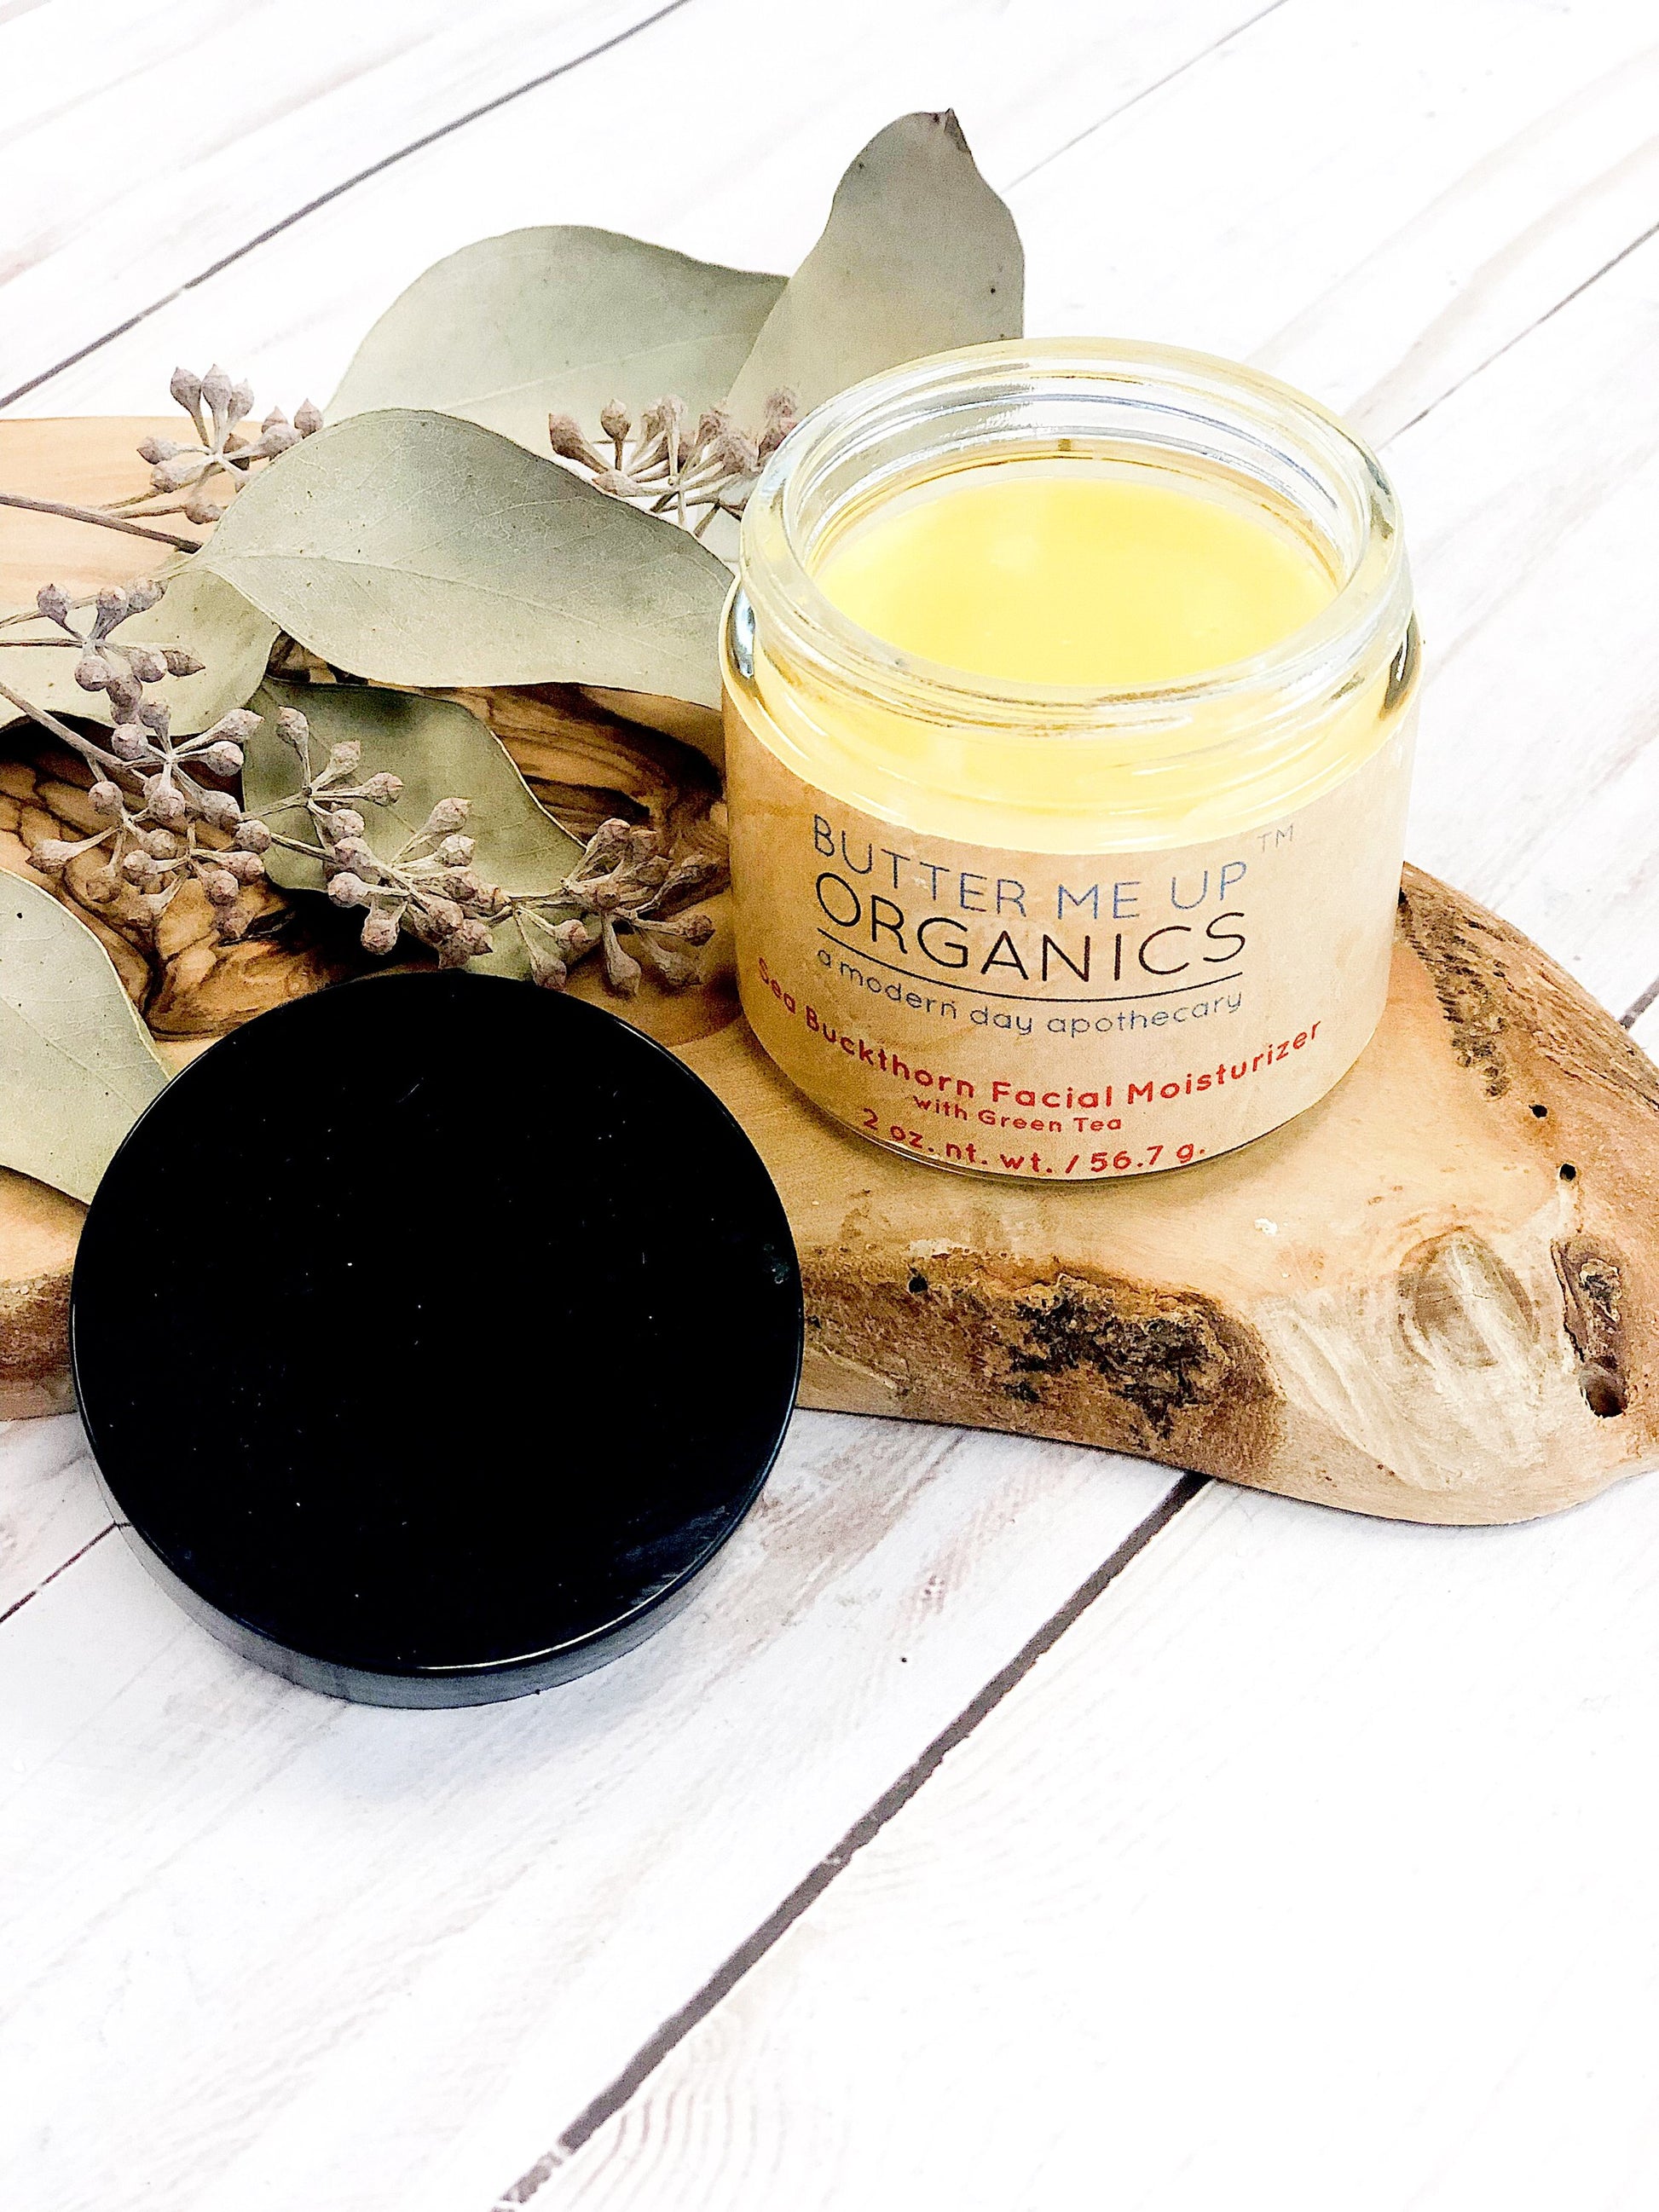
(97, 514)
(48, 720)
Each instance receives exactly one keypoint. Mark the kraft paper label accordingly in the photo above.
(1073, 1016)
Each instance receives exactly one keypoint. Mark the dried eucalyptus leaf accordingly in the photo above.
(558, 320)
(76, 1065)
(199, 611)
(918, 255)
(415, 548)
(440, 751)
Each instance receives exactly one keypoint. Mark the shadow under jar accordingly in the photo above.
(1070, 703)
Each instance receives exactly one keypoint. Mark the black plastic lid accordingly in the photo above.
(433, 1333)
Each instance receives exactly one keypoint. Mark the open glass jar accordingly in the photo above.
(1064, 931)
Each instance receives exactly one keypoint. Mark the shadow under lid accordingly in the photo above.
(432, 1333)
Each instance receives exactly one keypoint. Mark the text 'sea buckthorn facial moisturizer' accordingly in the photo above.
(1069, 713)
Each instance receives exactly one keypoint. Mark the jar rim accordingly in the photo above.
(1320, 464)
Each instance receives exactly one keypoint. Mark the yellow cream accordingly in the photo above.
(1080, 577)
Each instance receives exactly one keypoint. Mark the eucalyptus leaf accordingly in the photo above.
(76, 1065)
(558, 320)
(416, 549)
(918, 255)
(440, 751)
(199, 611)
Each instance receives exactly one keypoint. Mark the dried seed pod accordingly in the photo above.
(615, 420)
(446, 818)
(100, 884)
(221, 886)
(247, 867)
(160, 844)
(186, 388)
(468, 942)
(347, 890)
(147, 663)
(241, 402)
(233, 923)
(383, 789)
(545, 968)
(139, 868)
(456, 851)
(220, 809)
(157, 716)
(573, 939)
(167, 807)
(294, 729)
(353, 853)
(780, 412)
(180, 663)
(224, 758)
(93, 674)
(130, 741)
(275, 440)
(672, 966)
(239, 725)
(253, 836)
(307, 418)
(124, 696)
(216, 388)
(158, 449)
(51, 854)
(564, 435)
(112, 605)
(143, 593)
(607, 843)
(379, 932)
(622, 970)
(443, 914)
(53, 600)
(104, 798)
(199, 508)
(345, 822)
(173, 475)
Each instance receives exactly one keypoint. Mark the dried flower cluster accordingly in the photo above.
(624, 881)
(183, 477)
(167, 822)
(429, 887)
(170, 818)
(669, 470)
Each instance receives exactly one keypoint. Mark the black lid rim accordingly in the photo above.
(481, 1682)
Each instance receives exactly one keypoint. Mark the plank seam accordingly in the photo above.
(1536, 323)
(869, 1824)
(62, 1568)
(335, 191)
(1147, 90)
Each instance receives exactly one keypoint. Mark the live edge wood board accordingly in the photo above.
(1434, 1297)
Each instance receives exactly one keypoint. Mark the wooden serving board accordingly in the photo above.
(1434, 1296)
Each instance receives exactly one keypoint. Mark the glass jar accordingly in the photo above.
(1059, 932)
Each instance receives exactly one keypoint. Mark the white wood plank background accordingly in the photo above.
(1309, 1866)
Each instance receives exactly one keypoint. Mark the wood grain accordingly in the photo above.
(1312, 1866)
(260, 111)
(1410, 1777)
(266, 1949)
(1407, 1302)
(1436, 1296)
